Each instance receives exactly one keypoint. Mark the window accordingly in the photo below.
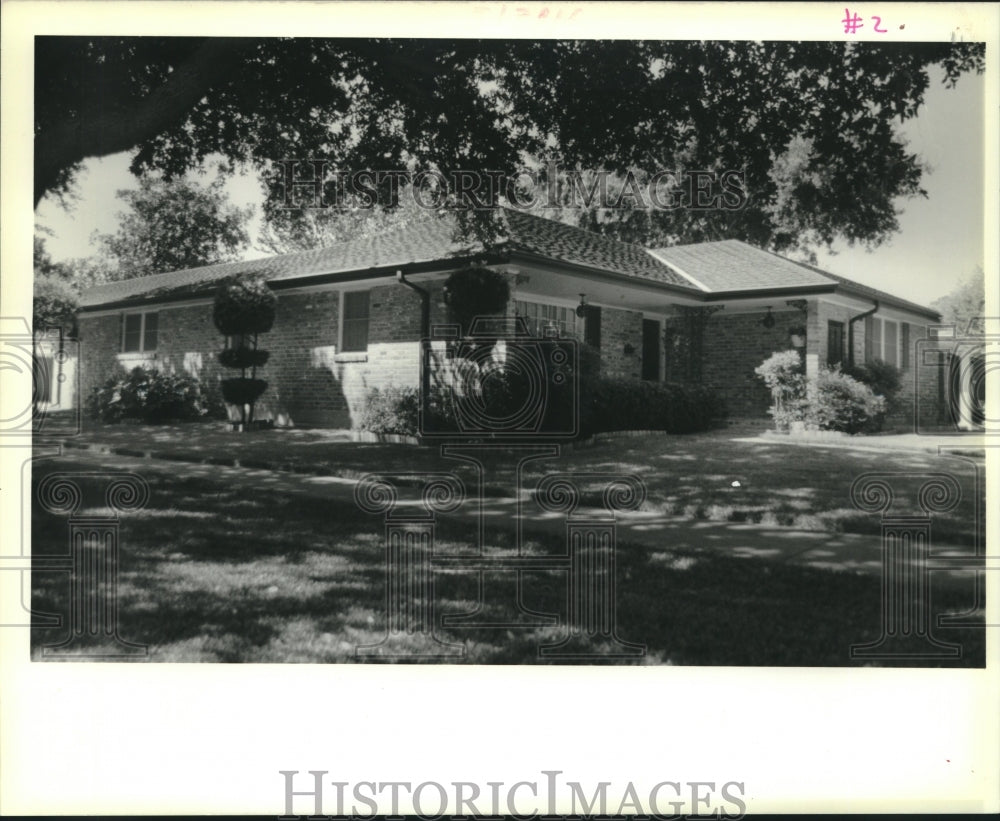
(140, 332)
(890, 341)
(834, 343)
(546, 320)
(354, 336)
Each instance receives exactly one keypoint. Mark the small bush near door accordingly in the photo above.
(151, 396)
(839, 402)
(391, 410)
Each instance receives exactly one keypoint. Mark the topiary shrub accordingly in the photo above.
(839, 402)
(150, 396)
(391, 410)
(244, 307)
(243, 358)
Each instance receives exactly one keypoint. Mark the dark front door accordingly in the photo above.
(651, 349)
(834, 343)
(592, 325)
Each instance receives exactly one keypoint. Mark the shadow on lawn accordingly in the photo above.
(216, 573)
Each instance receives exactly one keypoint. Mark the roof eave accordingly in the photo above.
(890, 300)
(331, 277)
(595, 272)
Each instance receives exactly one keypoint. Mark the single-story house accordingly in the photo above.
(348, 319)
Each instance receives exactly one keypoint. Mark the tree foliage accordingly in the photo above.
(54, 305)
(173, 225)
(965, 303)
(811, 124)
(55, 300)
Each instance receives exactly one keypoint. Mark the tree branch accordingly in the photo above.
(121, 128)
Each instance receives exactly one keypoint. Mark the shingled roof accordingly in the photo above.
(731, 266)
(709, 269)
(428, 240)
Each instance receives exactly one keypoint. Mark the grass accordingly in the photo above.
(212, 572)
(691, 477)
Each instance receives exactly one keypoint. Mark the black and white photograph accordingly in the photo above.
(509, 347)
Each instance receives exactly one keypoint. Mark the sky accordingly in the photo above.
(940, 241)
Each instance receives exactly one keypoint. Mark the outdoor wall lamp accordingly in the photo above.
(581, 309)
(768, 321)
(797, 336)
(629, 349)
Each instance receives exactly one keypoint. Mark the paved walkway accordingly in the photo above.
(829, 551)
(972, 444)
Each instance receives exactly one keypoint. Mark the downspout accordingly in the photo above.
(425, 333)
(850, 332)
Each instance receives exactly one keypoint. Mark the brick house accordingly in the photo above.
(348, 318)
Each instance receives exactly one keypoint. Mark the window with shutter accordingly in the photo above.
(354, 335)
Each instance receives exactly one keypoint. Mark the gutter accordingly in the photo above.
(425, 303)
(425, 333)
(850, 332)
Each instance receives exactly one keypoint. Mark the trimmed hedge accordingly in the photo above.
(606, 404)
(152, 396)
(610, 404)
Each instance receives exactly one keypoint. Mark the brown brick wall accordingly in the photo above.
(735, 344)
(618, 329)
(309, 384)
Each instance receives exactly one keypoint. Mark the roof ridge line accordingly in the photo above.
(678, 269)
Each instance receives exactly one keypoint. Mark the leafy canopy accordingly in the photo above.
(965, 303)
(811, 124)
(173, 225)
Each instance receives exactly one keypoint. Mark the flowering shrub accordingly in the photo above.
(839, 402)
(833, 401)
(884, 379)
(151, 396)
(391, 410)
(782, 373)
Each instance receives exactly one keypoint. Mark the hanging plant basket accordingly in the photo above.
(244, 305)
(474, 292)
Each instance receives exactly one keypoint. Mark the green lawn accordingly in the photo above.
(691, 476)
(212, 572)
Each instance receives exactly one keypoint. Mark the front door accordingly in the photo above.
(651, 349)
(592, 325)
(834, 343)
